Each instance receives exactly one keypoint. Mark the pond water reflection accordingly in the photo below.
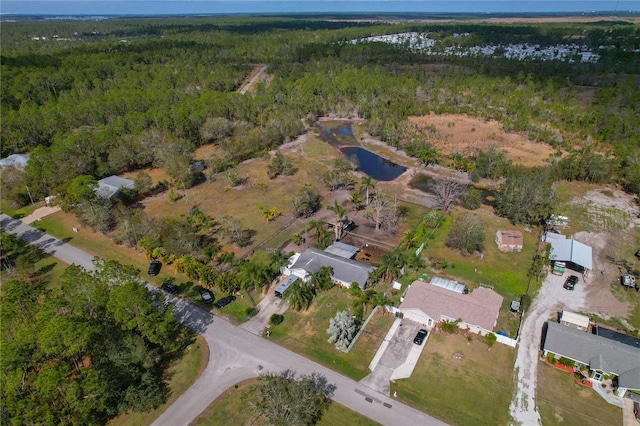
(340, 135)
(374, 165)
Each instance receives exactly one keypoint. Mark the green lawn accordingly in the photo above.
(561, 401)
(474, 390)
(231, 409)
(181, 375)
(305, 333)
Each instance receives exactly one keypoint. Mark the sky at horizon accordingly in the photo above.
(194, 7)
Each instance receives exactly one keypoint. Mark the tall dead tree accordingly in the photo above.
(447, 190)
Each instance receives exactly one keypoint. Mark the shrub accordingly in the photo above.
(566, 362)
(276, 319)
(551, 358)
(449, 326)
(472, 199)
(490, 339)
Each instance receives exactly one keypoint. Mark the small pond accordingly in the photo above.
(340, 135)
(374, 165)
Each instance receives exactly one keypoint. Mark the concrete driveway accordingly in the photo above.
(268, 306)
(396, 358)
(236, 354)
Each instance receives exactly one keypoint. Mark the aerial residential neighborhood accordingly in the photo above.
(320, 220)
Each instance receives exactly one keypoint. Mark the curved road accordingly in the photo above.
(235, 354)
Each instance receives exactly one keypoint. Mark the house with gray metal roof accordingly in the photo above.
(19, 161)
(604, 357)
(109, 186)
(345, 271)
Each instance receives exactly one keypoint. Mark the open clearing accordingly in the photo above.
(467, 135)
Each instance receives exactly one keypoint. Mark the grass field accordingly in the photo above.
(474, 390)
(305, 333)
(561, 401)
(181, 375)
(231, 409)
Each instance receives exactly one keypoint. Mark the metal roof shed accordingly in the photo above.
(343, 250)
(566, 250)
(284, 285)
(454, 286)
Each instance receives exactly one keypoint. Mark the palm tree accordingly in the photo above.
(367, 184)
(321, 279)
(317, 226)
(299, 295)
(409, 240)
(391, 264)
(278, 259)
(340, 212)
(253, 274)
(356, 200)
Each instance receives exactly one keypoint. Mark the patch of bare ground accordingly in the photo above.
(466, 135)
(615, 242)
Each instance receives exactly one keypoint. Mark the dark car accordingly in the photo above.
(422, 334)
(206, 295)
(154, 267)
(169, 288)
(221, 303)
(571, 282)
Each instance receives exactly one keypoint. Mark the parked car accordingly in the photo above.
(221, 303)
(570, 282)
(154, 267)
(419, 339)
(206, 295)
(169, 288)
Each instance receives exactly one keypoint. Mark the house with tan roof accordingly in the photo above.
(509, 241)
(428, 304)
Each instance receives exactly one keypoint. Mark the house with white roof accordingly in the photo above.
(345, 270)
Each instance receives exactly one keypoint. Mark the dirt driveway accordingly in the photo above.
(592, 295)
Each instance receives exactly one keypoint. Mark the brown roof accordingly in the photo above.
(510, 238)
(480, 307)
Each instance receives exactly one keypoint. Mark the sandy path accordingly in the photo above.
(551, 299)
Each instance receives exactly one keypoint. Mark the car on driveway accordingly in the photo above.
(154, 267)
(221, 303)
(169, 288)
(206, 295)
(419, 339)
(570, 282)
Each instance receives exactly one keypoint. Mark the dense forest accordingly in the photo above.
(97, 98)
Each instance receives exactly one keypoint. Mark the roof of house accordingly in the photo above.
(598, 352)
(509, 237)
(345, 270)
(617, 336)
(15, 160)
(630, 379)
(480, 307)
(576, 319)
(342, 250)
(110, 185)
(567, 250)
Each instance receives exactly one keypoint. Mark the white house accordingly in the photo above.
(345, 270)
(109, 186)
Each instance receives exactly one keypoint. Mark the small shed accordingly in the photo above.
(577, 321)
(343, 250)
(509, 240)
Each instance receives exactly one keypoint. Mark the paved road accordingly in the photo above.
(236, 354)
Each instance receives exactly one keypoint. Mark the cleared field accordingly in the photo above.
(466, 135)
